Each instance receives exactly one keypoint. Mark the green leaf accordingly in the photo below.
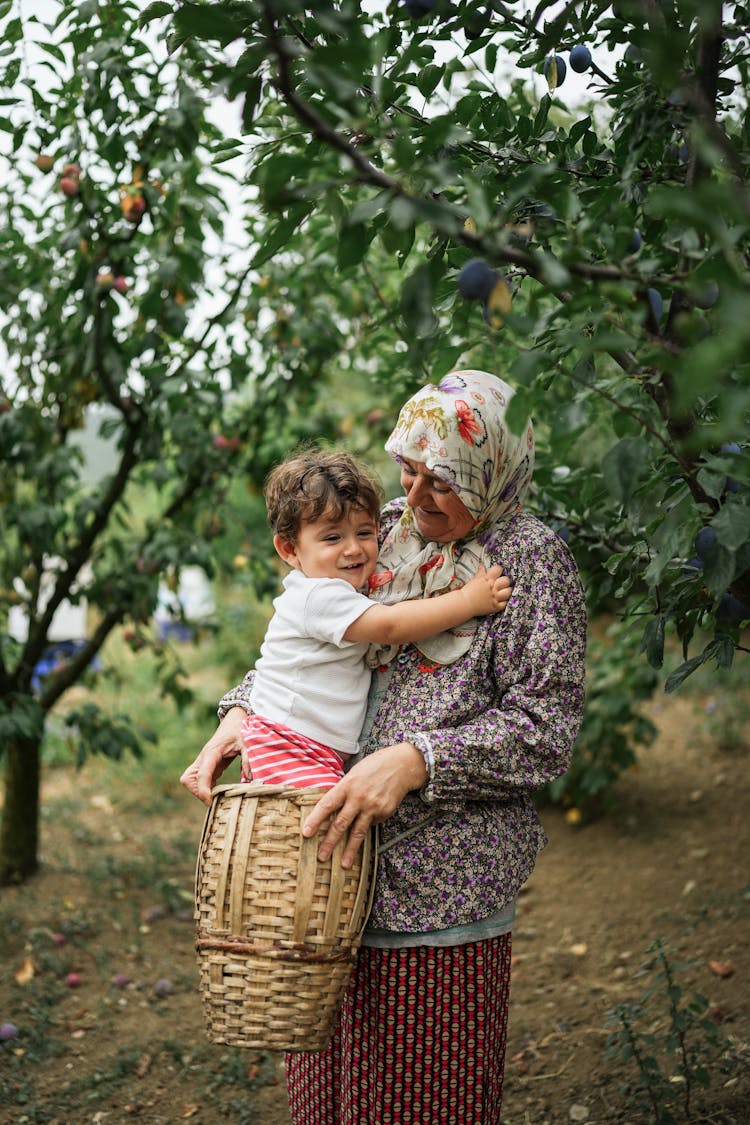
(155, 11)
(278, 236)
(224, 22)
(429, 79)
(653, 641)
(542, 113)
(578, 130)
(253, 87)
(681, 673)
(712, 483)
(732, 525)
(353, 243)
(416, 303)
(624, 465)
(519, 410)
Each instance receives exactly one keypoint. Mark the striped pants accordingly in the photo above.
(421, 1041)
(274, 754)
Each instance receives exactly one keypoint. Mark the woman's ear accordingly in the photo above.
(287, 551)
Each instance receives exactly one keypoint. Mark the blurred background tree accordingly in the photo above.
(123, 293)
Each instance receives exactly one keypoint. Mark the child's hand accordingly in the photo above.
(488, 591)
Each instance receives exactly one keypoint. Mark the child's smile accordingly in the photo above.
(344, 548)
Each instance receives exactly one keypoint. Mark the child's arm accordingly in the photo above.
(487, 592)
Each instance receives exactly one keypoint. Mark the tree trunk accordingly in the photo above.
(19, 831)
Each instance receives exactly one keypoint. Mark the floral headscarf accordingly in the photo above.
(456, 430)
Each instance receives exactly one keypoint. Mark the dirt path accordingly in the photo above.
(114, 898)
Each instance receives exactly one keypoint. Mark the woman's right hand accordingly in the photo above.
(222, 748)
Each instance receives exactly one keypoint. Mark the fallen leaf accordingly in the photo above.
(26, 973)
(580, 949)
(721, 968)
(190, 1110)
(143, 1065)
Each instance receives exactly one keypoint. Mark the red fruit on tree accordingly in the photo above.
(45, 162)
(121, 285)
(73, 170)
(223, 442)
(69, 186)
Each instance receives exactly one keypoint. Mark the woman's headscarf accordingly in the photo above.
(457, 431)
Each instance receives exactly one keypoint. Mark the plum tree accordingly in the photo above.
(153, 377)
(635, 393)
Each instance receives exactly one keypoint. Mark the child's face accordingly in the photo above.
(329, 548)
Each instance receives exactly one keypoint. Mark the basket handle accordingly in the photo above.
(306, 864)
(367, 884)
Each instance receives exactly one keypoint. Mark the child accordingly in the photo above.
(311, 682)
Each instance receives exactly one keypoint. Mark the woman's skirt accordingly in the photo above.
(421, 1041)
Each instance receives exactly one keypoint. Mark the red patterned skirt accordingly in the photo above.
(421, 1041)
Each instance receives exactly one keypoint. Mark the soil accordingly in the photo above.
(114, 897)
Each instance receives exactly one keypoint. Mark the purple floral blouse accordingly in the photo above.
(494, 726)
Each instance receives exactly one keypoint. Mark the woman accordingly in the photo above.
(460, 732)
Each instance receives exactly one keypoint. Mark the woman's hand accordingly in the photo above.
(222, 747)
(367, 794)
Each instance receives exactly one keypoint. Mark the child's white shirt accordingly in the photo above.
(308, 677)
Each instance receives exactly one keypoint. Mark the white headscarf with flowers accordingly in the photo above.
(457, 431)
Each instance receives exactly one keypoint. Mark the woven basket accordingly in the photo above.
(277, 930)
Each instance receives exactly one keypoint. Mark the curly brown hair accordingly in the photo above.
(313, 483)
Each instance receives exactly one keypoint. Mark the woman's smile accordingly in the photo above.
(439, 513)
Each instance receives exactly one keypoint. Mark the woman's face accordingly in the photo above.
(438, 512)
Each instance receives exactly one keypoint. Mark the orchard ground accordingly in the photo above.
(114, 897)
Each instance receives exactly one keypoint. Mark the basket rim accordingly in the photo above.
(242, 787)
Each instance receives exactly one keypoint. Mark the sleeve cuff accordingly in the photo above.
(237, 697)
(423, 744)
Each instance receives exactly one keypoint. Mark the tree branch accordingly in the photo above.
(78, 555)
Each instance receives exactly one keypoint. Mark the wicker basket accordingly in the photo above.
(277, 930)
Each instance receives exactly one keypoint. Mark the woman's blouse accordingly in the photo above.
(494, 727)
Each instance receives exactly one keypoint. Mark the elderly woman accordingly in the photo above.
(460, 732)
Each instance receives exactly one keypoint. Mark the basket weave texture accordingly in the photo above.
(277, 931)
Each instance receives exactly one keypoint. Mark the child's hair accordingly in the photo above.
(312, 483)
